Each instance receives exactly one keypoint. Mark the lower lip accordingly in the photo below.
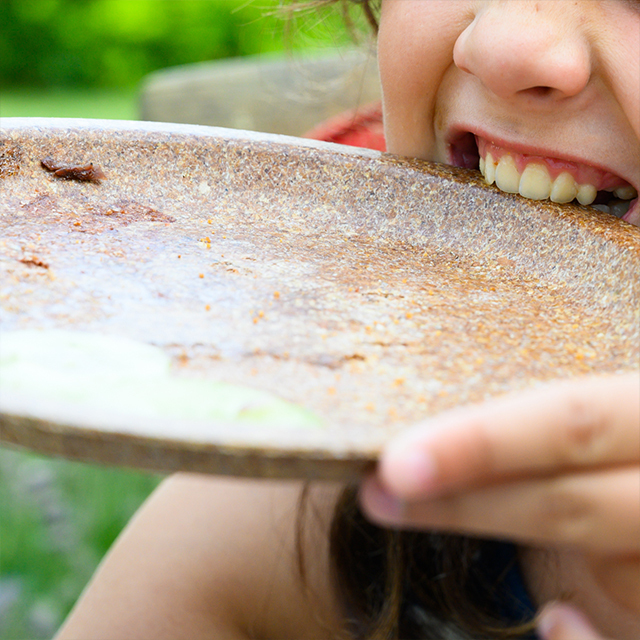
(633, 215)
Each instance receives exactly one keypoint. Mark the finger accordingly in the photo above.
(579, 423)
(598, 512)
(564, 622)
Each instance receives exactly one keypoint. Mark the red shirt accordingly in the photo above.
(361, 127)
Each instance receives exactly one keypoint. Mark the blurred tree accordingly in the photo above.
(114, 43)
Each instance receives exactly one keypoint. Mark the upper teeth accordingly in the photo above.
(625, 193)
(564, 188)
(535, 182)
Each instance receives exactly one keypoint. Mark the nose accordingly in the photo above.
(524, 48)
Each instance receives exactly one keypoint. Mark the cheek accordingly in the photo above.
(415, 50)
(627, 71)
(621, 55)
(619, 39)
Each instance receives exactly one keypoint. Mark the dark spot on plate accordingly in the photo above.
(34, 262)
(81, 173)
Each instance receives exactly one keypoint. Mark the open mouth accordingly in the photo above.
(542, 178)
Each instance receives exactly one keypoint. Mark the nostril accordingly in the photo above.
(538, 92)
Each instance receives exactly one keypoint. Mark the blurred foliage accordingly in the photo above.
(109, 104)
(114, 43)
(58, 520)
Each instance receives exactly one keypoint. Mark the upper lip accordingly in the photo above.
(458, 134)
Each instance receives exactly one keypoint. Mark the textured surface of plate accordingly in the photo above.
(371, 290)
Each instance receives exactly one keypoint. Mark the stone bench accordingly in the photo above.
(287, 94)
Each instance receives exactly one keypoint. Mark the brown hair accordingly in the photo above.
(407, 584)
(370, 9)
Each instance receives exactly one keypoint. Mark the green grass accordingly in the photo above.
(58, 518)
(116, 105)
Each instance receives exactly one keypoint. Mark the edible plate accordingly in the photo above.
(297, 303)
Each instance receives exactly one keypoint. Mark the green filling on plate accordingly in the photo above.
(104, 373)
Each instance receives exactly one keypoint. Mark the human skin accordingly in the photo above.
(558, 468)
(210, 557)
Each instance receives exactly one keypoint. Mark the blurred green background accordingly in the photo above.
(86, 58)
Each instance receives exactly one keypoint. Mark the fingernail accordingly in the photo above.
(414, 472)
(380, 503)
(564, 622)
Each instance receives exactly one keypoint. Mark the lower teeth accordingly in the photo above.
(618, 208)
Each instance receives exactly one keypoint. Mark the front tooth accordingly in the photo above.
(489, 169)
(586, 193)
(481, 165)
(626, 193)
(564, 188)
(535, 182)
(507, 176)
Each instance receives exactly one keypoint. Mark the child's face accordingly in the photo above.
(545, 92)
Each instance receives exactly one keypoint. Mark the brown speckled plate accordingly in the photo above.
(374, 291)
